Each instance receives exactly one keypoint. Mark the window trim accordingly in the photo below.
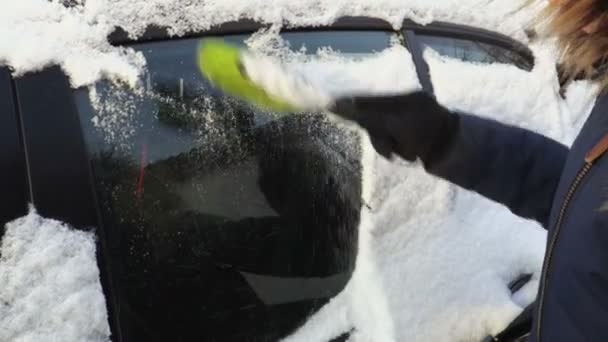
(13, 166)
(422, 67)
(247, 26)
(48, 113)
(449, 30)
(411, 31)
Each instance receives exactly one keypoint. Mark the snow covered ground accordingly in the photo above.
(434, 262)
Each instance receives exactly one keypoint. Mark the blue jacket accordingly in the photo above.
(564, 190)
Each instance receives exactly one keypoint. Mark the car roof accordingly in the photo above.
(155, 33)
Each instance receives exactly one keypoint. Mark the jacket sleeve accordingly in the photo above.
(513, 166)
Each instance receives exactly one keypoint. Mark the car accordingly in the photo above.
(215, 220)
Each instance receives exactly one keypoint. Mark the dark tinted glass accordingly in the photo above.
(14, 196)
(351, 42)
(226, 223)
(474, 51)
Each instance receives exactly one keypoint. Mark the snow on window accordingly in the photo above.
(502, 91)
(50, 284)
(447, 255)
(434, 259)
(440, 259)
(388, 71)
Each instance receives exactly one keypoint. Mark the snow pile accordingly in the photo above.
(447, 257)
(510, 95)
(38, 33)
(202, 14)
(50, 284)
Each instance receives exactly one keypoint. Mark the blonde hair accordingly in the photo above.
(584, 55)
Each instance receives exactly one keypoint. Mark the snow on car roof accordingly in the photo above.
(36, 33)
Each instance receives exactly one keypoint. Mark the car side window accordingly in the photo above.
(475, 51)
(228, 222)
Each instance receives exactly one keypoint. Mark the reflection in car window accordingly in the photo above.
(474, 51)
(347, 43)
(225, 223)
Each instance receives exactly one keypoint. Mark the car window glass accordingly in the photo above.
(474, 51)
(225, 222)
(349, 43)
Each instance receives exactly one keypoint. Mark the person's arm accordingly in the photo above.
(510, 165)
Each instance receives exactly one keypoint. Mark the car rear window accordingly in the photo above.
(475, 51)
(225, 223)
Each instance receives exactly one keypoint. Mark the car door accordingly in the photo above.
(58, 173)
(214, 220)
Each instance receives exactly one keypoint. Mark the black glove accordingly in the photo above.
(411, 126)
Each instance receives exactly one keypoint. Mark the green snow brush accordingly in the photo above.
(257, 79)
(222, 64)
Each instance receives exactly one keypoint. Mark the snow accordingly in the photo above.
(203, 14)
(283, 84)
(50, 284)
(507, 97)
(434, 260)
(38, 33)
(311, 84)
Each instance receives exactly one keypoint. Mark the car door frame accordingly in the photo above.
(411, 30)
(15, 193)
(61, 184)
(58, 169)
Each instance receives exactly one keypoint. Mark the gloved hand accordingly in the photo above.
(411, 125)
